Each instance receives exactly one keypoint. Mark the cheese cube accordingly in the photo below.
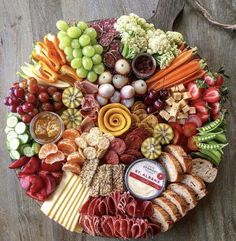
(170, 101)
(181, 88)
(174, 110)
(174, 88)
(172, 119)
(182, 103)
(192, 110)
(180, 116)
(168, 108)
(177, 96)
(186, 95)
(185, 109)
(164, 114)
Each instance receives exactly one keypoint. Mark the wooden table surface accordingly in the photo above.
(24, 21)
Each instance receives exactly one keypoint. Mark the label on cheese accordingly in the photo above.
(145, 179)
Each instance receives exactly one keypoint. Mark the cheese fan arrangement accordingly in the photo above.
(116, 127)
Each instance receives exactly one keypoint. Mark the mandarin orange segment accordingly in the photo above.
(67, 146)
(55, 157)
(70, 134)
(75, 157)
(47, 149)
(72, 167)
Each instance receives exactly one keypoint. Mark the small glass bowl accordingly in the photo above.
(138, 61)
(50, 140)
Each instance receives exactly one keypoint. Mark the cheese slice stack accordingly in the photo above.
(64, 204)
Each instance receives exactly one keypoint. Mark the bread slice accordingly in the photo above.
(182, 157)
(169, 207)
(179, 201)
(196, 183)
(173, 169)
(162, 217)
(204, 169)
(186, 192)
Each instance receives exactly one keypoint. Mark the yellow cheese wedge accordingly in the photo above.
(64, 198)
(75, 215)
(49, 204)
(66, 206)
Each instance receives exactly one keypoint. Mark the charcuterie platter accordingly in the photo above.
(116, 127)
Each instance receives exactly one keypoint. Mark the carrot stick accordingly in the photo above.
(179, 73)
(178, 61)
(192, 77)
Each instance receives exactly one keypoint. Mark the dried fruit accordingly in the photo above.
(163, 133)
(151, 148)
(72, 97)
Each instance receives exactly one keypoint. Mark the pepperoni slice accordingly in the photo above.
(127, 158)
(118, 145)
(135, 153)
(111, 157)
(133, 141)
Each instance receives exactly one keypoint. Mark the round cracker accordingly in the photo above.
(151, 120)
(90, 152)
(92, 139)
(103, 143)
(81, 142)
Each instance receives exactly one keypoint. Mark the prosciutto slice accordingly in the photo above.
(86, 87)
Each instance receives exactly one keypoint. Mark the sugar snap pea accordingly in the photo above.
(213, 155)
(221, 138)
(205, 137)
(212, 125)
(211, 146)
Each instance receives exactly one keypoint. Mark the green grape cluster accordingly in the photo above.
(81, 48)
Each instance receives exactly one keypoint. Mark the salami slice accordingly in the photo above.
(143, 133)
(115, 45)
(133, 141)
(127, 158)
(111, 157)
(118, 145)
(134, 152)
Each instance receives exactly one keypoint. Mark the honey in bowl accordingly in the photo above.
(46, 127)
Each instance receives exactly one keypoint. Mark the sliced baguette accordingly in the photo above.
(204, 169)
(186, 192)
(169, 207)
(182, 157)
(196, 183)
(173, 169)
(162, 217)
(179, 201)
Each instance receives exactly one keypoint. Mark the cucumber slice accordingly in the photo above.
(14, 155)
(20, 128)
(14, 144)
(36, 147)
(11, 135)
(28, 151)
(24, 138)
(8, 129)
(12, 121)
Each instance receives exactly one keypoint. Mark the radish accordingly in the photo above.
(194, 91)
(116, 97)
(128, 102)
(101, 100)
(211, 95)
(195, 119)
(106, 90)
(123, 67)
(127, 92)
(105, 77)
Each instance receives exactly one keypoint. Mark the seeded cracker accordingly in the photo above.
(105, 177)
(90, 152)
(95, 185)
(88, 171)
(118, 177)
(96, 131)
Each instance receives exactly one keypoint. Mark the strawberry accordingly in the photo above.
(176, 126)
(215, 108)
(204, 117)
(211, 95)
(219, 80)
(209, 79)
(200, 105)
(194, 90)
(19, 163)
(189, 129)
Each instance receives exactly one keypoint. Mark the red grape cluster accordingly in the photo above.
(27, 98)
(155, 100)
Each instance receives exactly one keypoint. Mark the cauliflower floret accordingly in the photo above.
(165, 60)
(175, 37)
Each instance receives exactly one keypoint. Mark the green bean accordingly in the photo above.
(212, 125)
